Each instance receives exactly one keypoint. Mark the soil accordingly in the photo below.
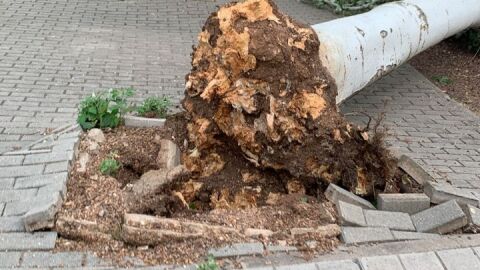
(104, 200)
(461, 66)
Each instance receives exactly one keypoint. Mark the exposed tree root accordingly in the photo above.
(258, 89)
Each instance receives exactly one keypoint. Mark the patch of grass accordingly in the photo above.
(158, 107)
(110, 166)
(442, 80)
(210, 264)
(105, 109)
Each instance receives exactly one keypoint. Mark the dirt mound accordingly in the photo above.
(258, 92)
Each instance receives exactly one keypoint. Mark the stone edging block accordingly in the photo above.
(135, 121)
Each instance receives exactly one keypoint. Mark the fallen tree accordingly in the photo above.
(263, 85)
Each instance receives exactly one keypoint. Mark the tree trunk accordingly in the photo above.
(360, 49)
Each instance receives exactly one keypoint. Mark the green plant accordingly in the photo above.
(348, 7)
(210, 264)
(110, 166)
(442, 80)
(105, 109)
(470, 39)
(154, 107)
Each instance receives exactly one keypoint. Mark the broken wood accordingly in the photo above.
(258, 86)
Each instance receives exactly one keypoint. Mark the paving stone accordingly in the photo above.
(338, 265)
(381, 263)
(134, 121)
(335, 193)
(414, 170)
(421, 261)
(392, 220)
(473, 215)
(278, 248)
(236, 250)
(303, 266)
(15, 195)
(18, 208)
(6, 183)
(442, 192)
(169, 155)
(48, 190)
(2, 206)
(92, 260)
(16, 171)
(409, 203)
(42, 216)
(40, 180)
(10, 259)
(47, 157)
(27, 241)
(403, 235)
(11, 224)
(350, 214)
(442, 218)
(359, 235)
(459, 259)
(48, 259)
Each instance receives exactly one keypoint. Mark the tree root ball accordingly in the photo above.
(257, 84)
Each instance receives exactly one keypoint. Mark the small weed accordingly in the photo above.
(155, 107)
(210, 264)
(110, 166)
(442, 80)
(105, 109)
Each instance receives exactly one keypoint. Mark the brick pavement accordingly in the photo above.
(55, 52)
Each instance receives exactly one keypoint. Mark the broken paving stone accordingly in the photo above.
(350, 215)
(335, 194)
(169, 155)
(443, 192)
(83, 160)
(443, 218)
(250, 232)
(152, 180)
(237, 250)
(96, 134)
(362, 235)
(392, 220)
(412, 168)
(42, 216)
(402, 235)
(409, 203)
(473, 215)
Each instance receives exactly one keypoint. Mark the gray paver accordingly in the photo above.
(442, 218)
(304, 266)
(6, 183)
(48, 259)
(414, 170)
(15, 195)
(27, 241)
(442, 192)
(350, 214)
(16, 171)
(335, 193)
(392, 220)
(358, 235)
(11, 224)
(459, 259)
(403, 235)
(421, 261)
(381, 263)
(42, 216)
(40, 180)
(338, 265)
(410, 203)
(10, 259)
(236, 250)
(473, 214)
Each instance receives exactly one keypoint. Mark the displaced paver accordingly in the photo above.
(169, 155)
(359, 235)
(350, 215)
(392, 220)
(335, 194)
(473, 215)
(459, 259)
(442, 218)
(381, 263)
(421, 261)
(410, 203)
(42, 216)
(442, 192)
(414, 170)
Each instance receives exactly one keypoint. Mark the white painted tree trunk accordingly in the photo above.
(360, 49)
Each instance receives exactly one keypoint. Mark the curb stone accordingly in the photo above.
(135, 121)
